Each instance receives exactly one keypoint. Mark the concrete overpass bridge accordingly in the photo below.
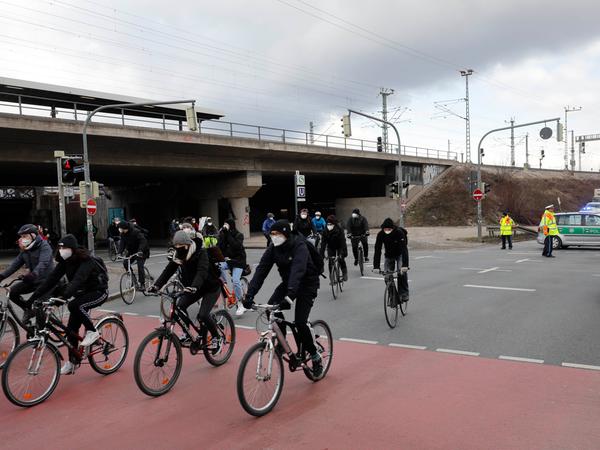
(155, 171)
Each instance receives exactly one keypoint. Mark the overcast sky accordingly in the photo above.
(284, 63)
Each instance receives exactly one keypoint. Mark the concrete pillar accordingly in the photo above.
(241, 210)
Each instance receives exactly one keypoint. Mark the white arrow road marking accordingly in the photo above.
(499, 288)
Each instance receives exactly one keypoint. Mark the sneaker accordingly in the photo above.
(240, 310)
(184, 340)
(345, 276)
(90, 338)
(317, 365)
(216, 343)
(404, 298)
(68, 368)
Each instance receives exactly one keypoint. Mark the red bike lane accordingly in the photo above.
(373, 397)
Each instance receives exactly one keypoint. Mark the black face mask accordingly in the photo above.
(181, 253)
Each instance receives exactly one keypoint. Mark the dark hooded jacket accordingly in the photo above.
(295, 267)
(357, 226)
(134, 241)
(334, 241)
(231, 243)
(395, 244)
(38, 259)
(304, 226)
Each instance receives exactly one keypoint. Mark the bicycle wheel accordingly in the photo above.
(340, 277)
(148, 280)
(361, 260)
(390, 305)
(259, 388)
(31, 373)
(244, 283)
(17, 314)
(9, 338)
(108, 353)
(158, 362)
(218, 355)
(333, 280)
(403, 308)
(127, 287)
(172, 287)
(324, 344)
(112, 251)
(61, 313)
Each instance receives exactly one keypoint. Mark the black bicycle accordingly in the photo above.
(261, 373)
(128, 284)
(361, 253)
(113, 248)
(32, 370)
(336, 277)
(392, 303)
(159, 357)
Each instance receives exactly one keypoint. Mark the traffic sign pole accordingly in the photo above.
(62, 211)
(477, 195)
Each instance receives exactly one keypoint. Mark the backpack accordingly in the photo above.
(102, 271)
(316, 257)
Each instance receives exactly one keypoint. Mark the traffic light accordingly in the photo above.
(543, 154)
(482, 152)
(379, 144)
(559, 131)
(582, 147)
(346, 128)
(405, 184)
(394, 191)
(486, 188)
(71, 170)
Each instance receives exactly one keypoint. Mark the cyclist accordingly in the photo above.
(266, 227)
(198, 276)
(358, 230)
(134, 241)
(231, 243)
(87, 283)
(36, 256)
(334, 240)
(395, 240)
(303, 224)
(113, 231)
(299, 282)
(318, 222)
(210, 233)
(144, 231)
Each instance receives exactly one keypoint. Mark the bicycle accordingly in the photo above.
(361, 253)
(259, 385)
(230, 301)
(336, 278)
(128, 284)
(391, 298)
(158, 359)
(113, 249)
(32, 370)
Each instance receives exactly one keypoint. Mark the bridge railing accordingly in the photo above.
(30, 106)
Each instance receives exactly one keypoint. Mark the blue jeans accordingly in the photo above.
(236, 275)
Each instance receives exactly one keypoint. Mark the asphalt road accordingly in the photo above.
(482, 301)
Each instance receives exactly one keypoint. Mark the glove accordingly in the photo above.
(190, 290)
(29, 278)
(248, 302)
(403, 270)
(153, 289)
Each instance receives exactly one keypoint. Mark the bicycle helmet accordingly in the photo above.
(28, 229)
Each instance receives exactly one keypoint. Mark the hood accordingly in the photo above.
(231, 224)
(388, 223)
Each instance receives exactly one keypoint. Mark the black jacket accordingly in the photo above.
(358, 226)
(195, 272)
(84, 275)
(38, 259)
(333, 241)
(113, 231)
(304, 226)
(134, 241)
(395, 245)
(231, 243)
(295, 267)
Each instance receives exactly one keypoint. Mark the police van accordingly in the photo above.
(576, 228)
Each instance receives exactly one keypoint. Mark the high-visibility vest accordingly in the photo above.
(506, 226)
(548, 224)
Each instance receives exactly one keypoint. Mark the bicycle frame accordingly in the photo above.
(179, 317)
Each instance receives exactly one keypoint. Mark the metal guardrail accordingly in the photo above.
(26, 105)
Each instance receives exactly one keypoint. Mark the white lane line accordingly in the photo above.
(581, 366)
(372, 278)
(107, 310)
(488, 270)
(470, 268)
(495, 269)
(456, 352)
(518, 358)
(359, 341)
(429, 256)
(415, 347)
(130, 314)
(499, 288)
(526, 260)
(245, 327)
(153, 316)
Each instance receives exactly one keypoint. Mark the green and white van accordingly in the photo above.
(576, 228)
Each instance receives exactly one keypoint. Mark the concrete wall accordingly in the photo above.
(375, 209)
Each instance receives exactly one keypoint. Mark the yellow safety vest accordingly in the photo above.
(506, 226)
(548, 224)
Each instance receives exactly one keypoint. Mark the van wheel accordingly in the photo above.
(557, 243)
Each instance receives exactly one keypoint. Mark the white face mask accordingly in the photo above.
(226, 226)
(278, 240)
(65, 253)
(209, 224)
(330, 227)
(354, 215)
(25, 242)
(317, 217)
(387, 231)
(304, 216)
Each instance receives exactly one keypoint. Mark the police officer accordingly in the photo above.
(506, 230)
(549, 228)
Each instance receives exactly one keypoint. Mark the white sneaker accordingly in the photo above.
(68, 368)
(90, 338)
(240, 310)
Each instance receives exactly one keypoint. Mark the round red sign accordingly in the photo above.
(91, 207)
(477, 194)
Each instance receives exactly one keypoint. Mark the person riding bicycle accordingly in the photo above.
(266, 227)
(113, 230)
(36, 256)
(318, 222)
(394, 240)
(303, 224)
(199, 277)
(210, 233)
(134, 241)
(334, 240)
(231, 243)
(299, 282)
(87, 284)
(358, 230)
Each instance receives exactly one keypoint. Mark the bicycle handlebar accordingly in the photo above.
(9, 284)
(54, 301)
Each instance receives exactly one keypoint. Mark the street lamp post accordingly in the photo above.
(466, 73)
(86, 160)
(400, 184)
